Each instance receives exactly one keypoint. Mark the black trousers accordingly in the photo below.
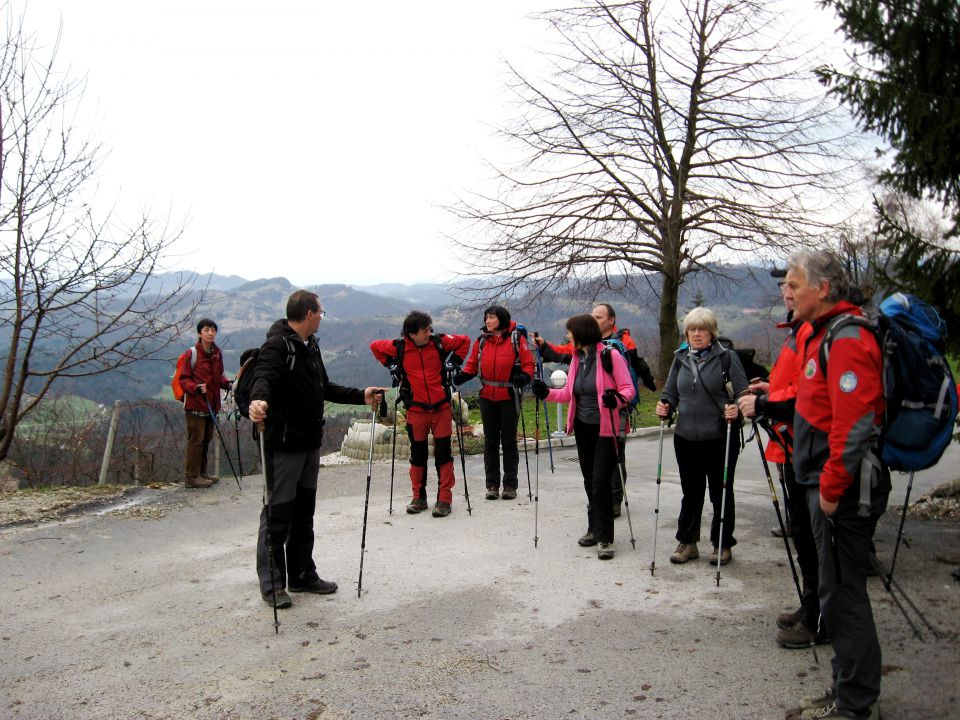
(843, 547)
(500, 433)
(806, 548)
(700, 463)
(598, 458)
(287, 518)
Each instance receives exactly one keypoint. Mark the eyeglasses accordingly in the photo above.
(321, 312)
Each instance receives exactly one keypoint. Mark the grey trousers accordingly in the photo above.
(843, 550)
(287, 518)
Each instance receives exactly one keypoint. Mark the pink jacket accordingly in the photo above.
(620, 381)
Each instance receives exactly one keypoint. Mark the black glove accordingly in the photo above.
(519, 378)
(455, 360)
(610, 399)
(540, 389)
(463, 377)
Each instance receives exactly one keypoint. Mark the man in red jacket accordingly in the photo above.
(418, 359)
(839, 409)
(202, 378)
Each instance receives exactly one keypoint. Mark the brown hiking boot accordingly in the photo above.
(587, 540)
(787, 620)
(197, 482)
(509, 494)
(492, 492)
(799, 636)
(684, 552)
(605, 551)
(441, 509)
(725, 556)
(418, 505)
(214, 479)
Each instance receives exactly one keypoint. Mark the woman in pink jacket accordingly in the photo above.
(598, 387)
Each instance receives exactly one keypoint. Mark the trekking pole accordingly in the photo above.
(888, 578)
(723, 498)
(463, 460)
(393, 450)
(236, 430)
(620, 450)
(894, 585)
(366, 501)
(222, 443)
(518, 402)
(656, 507)
(776, 507)
(536, 454)
(546, 415)
(266, 504)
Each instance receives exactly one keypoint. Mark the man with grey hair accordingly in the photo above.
(839, 409)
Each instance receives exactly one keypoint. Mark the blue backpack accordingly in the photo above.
(919, 390)
(608, 365)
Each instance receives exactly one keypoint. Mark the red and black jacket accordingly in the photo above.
(837, 413)
(208, 369)
(494, 358)
(422, 367)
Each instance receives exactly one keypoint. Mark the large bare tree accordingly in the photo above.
(72, 300)
(668, 134)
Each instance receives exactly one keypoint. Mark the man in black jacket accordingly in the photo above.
(291, 381)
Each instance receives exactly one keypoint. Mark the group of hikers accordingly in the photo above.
(822, 421)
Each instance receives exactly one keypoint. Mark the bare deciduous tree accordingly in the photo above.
(669, 134)
(72, 300)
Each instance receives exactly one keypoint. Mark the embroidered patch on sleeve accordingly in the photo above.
(848, 381)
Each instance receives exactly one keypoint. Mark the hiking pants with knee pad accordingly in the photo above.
(420, 423)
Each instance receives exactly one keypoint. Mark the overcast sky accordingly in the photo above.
(300, 138)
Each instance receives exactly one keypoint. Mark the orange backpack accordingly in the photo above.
(178, 391)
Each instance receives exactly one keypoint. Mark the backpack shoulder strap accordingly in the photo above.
(836, 329)
(606, 362)
(193, 356)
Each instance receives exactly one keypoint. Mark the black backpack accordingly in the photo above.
(243, 383)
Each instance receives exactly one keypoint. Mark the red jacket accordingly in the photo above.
(837, 414)
(496, 362)
(567, 349)
(422, 366)
(209, 370)
(784, 379)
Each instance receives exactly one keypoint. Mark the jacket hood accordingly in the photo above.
(281, 327)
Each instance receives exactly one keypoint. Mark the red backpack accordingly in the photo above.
(178, 391)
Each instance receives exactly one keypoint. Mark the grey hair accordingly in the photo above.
(701, 317)
(822, 266)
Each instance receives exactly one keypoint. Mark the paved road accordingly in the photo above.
(153, 612)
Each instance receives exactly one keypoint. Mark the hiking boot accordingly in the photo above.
(214, 479)
(832, 711)
(509, 493)
(822, 701)
(725, 556)
(283, 600)
(418, 505)
(587, 540)
(799, 636)
(605, 551)
(197, 482)
(684, 552)
(787, 620)
(441, 509)
(492, 493)
(312, 583)
(617, 509)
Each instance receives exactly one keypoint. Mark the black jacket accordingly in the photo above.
(291, 377)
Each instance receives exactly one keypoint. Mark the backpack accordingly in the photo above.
(400, 380)
(919, 391)
(616, 343)
(178, 391)
(243, 382)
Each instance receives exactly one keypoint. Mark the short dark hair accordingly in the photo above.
(503, 315)
(415, 322)
(206, 322)
(300, 303)
(610, 311)
(585, 330)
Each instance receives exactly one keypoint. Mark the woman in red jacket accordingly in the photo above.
(598, 387)
(503, 362)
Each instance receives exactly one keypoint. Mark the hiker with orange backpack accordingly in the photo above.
(201, 378)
